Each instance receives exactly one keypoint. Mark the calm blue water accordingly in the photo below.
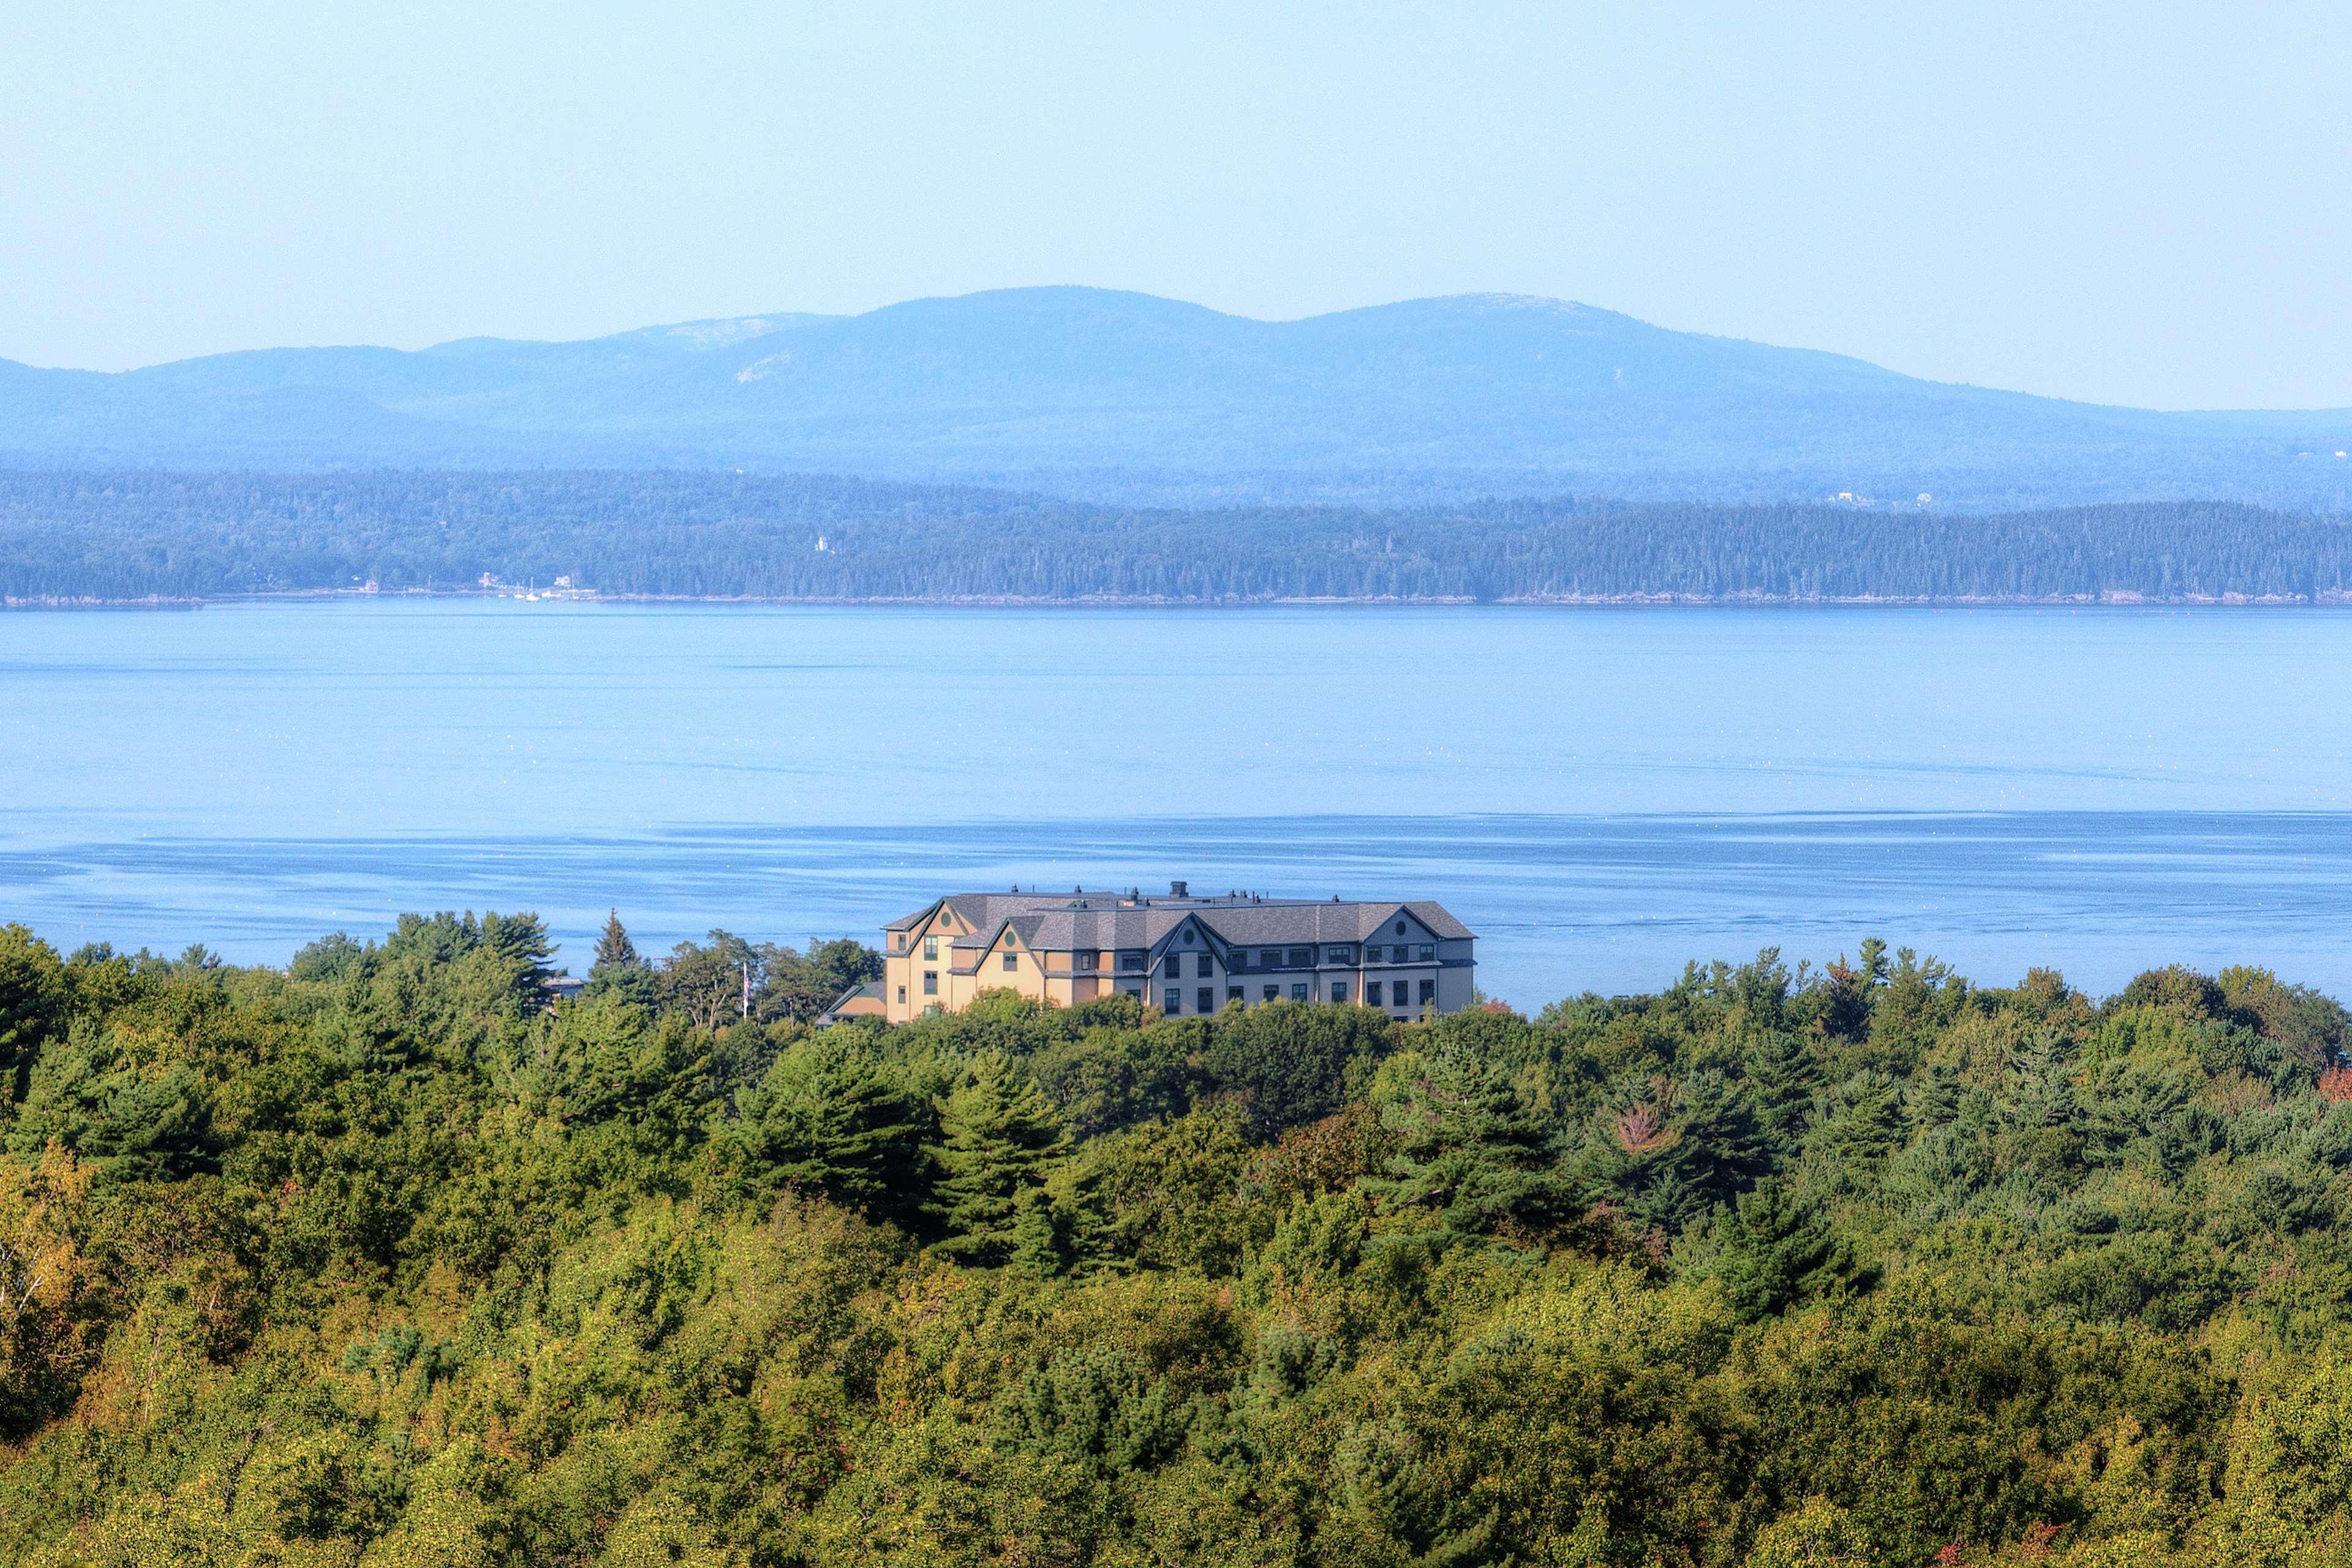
(1601, 794)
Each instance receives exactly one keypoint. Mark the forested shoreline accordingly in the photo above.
(73, 537)
(390, 1258)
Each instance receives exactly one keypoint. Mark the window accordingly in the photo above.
(1203, 970)
(931, 982)
(1271, 958)
(930, 947)
(1175, 966)
(1233, 993)
(1132, 960)
(1428, 952)
(1428, 991)
(1133, 990)
(1273, 993)
(1207, 997)
(1298, 992)
(1336, 954)
(1011, 963)
(1082, 960)
(1400, 928)
(1339, 990)
(1300, 957)
(1372, 994)
(902, 995)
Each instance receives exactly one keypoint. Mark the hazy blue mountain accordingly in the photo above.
(1115, 396)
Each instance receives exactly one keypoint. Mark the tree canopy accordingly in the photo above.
(389, 1257)
(70, 535)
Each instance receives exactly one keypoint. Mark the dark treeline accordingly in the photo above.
(136, 535)
(387, 1259)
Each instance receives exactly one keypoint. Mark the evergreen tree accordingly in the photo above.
(606, 1063)
(2039, 1091)
(520, 947)
(1782, 1074)
(1717, 1151)
(1864, 1125)
(1473, 1160)
(830, 1117)
(2039, 1106)
(1000, 1142)
(1774, 1248)
(614, 948)
(619, 969)
(1672, 1150)
(1931, 1098)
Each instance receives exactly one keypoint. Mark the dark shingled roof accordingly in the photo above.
(1078, 922)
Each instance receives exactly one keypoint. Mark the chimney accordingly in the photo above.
(1176, 889)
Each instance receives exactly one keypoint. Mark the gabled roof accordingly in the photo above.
(869, 991)
(1084, 919)
(987, 910)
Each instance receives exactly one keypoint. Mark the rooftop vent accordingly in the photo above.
(1176, 889)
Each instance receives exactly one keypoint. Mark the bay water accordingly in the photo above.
(1601, 794)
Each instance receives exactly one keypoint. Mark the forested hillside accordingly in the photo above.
(383, 1259)
(68, 536)
(1120, 398)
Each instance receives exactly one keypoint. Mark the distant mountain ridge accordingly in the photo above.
(1120, 396)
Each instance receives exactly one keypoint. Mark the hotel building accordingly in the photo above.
(1185, 953)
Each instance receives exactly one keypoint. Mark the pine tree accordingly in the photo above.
(619, 969)
(1931, 1098)
(1776, 1249)
(1000, 1142)
(1718, 1153)
(1781, 1074)
(829, 1117)
(614, 948)
(607, 1063)
(1475, 1160)
(1864, 1124)
(2040, 1089)
(521, 947)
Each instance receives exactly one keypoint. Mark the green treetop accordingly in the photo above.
(999, 1142)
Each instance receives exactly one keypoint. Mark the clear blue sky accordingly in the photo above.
(2146, 203)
